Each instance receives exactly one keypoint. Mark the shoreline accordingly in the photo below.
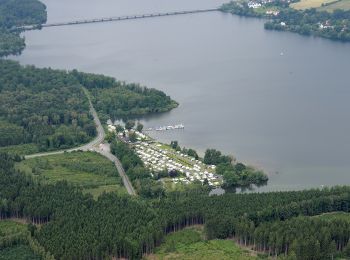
(250, 160)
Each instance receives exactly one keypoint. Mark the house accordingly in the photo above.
(272, 12)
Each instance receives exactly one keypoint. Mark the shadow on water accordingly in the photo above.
(244, 189)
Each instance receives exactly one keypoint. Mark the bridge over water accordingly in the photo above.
(117, 18)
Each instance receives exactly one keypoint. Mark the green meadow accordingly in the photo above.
(89, 170)
(190, 243)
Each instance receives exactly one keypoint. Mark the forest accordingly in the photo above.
(42, 106)
(18, 13)
(48, 108)
(331, 25)
(117, 99)
(75, 226)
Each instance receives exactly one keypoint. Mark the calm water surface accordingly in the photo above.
(288, 114)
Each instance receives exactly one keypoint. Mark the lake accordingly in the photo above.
(276, 100)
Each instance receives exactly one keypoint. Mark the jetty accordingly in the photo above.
(165, 128)
(117, 18)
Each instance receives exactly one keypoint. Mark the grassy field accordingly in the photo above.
(9, 228)
(190, 243)
(96, 192)
(306, 4)
(88, 170)
(342, 4)
(322, 5)
(170, 186)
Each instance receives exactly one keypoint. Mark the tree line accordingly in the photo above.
(74, 226)
(235, 174)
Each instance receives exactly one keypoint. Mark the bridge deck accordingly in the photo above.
(118, 18)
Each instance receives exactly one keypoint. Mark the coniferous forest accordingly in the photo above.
(75, 226)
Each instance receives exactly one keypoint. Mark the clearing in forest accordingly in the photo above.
(10, 230)
(89, 170)
(190, 243)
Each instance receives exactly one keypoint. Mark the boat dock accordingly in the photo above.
(166, 128)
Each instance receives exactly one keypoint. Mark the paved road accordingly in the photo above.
(95, 145)
(104, 149)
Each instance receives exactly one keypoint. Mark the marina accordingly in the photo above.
(165, 128)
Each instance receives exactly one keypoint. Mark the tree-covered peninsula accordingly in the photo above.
(15, 13)
(235, 174)
(46, 109)
(117, 99)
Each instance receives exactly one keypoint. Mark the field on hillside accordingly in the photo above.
(342, 4)
(190, 243)
(88, 170)
(9, 228)
(322, 5)
(306, 4)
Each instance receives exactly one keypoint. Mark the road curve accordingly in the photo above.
(94, 145)
(86, 147)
